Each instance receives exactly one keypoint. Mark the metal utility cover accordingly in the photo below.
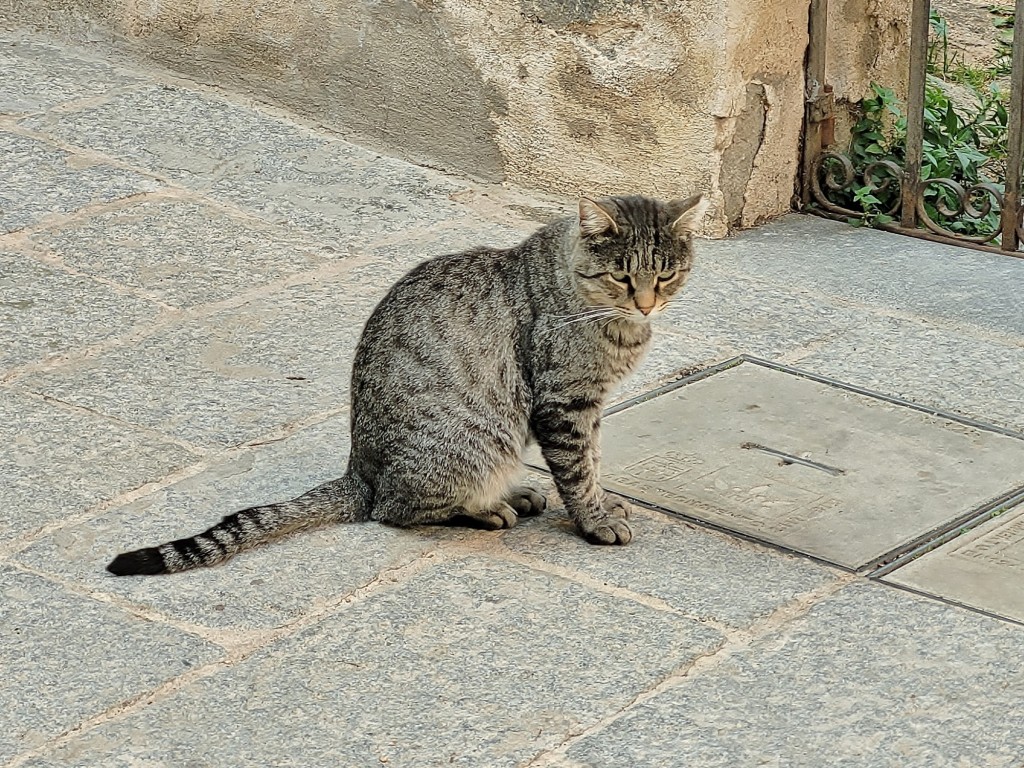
(983, 568)
(805, 464)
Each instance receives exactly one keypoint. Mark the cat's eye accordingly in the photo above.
(618, 277)
(668, 277)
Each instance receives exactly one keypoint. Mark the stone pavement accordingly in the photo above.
(183, 276)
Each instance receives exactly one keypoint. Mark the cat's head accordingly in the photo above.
(635, 253)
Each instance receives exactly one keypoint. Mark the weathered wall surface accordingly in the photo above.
(868, 40)
(608, 95)
(571, 96)
(759, 108)
(386, 72)
(601, 95)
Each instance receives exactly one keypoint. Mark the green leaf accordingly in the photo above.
(865, 198)
(946, 116)
(963, 143)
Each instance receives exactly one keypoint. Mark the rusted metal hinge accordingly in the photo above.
(821, 111)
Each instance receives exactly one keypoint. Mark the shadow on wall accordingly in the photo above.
(567, 96)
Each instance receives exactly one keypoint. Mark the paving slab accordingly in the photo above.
(264, 588)
(46, 311)
(183, 133)
(56, 462)
(66, 658)
(235, 375)
(868, 678)
(473, 663)
(745, 313)
(671, 355)
(928, 364)
(958, 285)
(40, 180)
(456, 235)
(688, 647)
(264, 164)
(983, 568)
(341, 193)
(676, 562)
(813, 467)
(184, 252)
(232, 376)
(38, 77)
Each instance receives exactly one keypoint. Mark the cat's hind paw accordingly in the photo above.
(526, 501)
(502, 516)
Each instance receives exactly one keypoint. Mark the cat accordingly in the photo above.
(469, 357)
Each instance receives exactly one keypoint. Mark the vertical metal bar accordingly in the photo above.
(1015, 139)
(817, 31)
(915, 112)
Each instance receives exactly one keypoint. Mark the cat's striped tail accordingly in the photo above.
(345, 500)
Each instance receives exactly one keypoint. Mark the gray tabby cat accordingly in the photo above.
(466, 359)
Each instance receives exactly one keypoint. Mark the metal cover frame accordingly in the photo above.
(885, 563)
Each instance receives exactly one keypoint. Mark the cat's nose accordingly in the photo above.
(644, 299)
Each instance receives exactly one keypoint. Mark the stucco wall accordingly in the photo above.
(600, 96)
(759, 108)
(868, 40)
(571, 96)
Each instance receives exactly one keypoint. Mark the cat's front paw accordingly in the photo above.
(616, 506)
(607, 530)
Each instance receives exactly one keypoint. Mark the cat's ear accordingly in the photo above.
(685, 215)
(595, 220)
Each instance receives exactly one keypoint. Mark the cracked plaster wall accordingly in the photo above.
(572, 96)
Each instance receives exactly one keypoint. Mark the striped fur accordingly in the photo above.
(469, 357)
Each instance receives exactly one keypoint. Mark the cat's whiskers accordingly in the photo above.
(585, 312)
(585, 317)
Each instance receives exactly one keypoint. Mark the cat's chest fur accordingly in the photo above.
(624, 346)
(592, 360)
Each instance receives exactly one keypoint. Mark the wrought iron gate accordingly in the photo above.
(985, 213)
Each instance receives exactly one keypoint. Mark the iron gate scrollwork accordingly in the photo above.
(981, 212)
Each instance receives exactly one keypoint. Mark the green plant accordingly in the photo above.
(1003, 21)
(966, 148)
(965, 144)
(938, 44)
(878, 136)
